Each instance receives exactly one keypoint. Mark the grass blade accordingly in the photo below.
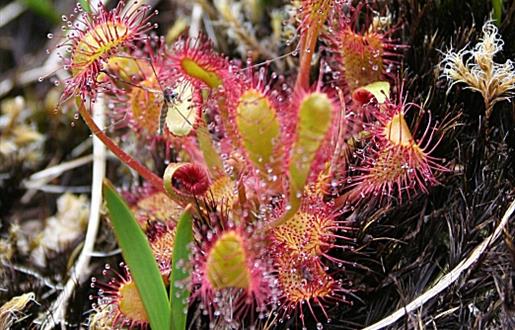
(43, 8)
(85, 5)
(179, 291)
(138, 256)
(497, 14)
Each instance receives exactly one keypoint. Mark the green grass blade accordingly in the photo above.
(85, 5)
(43, 8)
(497, 8)
(138, 256)
(181, 270)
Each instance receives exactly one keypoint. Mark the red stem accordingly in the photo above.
(305, 60)
(148, 175)
(308, 42)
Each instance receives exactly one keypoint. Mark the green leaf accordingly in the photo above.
(497, 8)
(206, 145)
(227, 263)
(85, 5)
(315, 115)
(194, 70)
(260, 132)
(43, 8)
(181, 271)
(138, 256)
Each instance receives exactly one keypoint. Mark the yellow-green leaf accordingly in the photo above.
(315, 115)
(379, 89)
(194, 70)
(226, 265)
(260, 132)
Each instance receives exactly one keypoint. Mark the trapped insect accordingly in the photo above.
(169, 97)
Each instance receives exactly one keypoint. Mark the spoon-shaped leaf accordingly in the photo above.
(315, 115)
(260, 131)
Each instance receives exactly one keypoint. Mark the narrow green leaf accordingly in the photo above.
(43, 8)
(138, 256)
(85, 5)
(181, 271)
(213, 160)
(497, 8)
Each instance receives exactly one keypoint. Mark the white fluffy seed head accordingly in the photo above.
(477, 69)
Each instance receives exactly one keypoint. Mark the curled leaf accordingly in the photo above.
(185, 180)
(380, 90)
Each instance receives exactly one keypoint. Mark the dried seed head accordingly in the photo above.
(477, 69)
(13, 310)
(101, 319)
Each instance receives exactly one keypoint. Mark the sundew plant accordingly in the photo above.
(285, 165)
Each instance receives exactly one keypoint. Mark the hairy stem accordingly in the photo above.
(148, 175)
(318, 15)
(305, 60)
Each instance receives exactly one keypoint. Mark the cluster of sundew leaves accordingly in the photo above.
(269, 162)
